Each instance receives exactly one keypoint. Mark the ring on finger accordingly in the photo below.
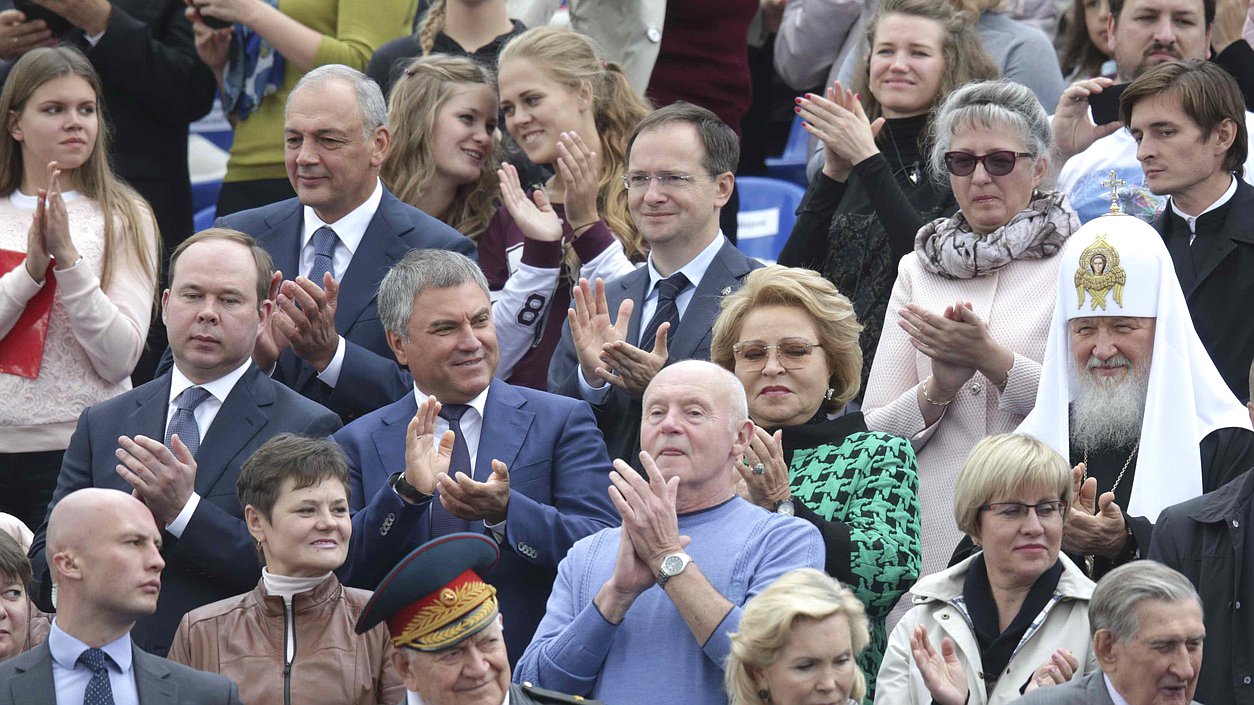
(759, 469)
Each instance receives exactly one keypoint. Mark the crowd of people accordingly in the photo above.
(469, 396)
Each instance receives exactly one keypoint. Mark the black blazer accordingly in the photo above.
(370, 377)
(1219, 295)
(619, 416)
(216, 557)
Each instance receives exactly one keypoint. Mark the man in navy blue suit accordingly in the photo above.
(339, 235)
(462, 451)
(178, 442)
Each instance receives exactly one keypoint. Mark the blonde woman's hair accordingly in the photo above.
(127, 217)
(837, 325)
(572, 60)
(999, 467)
(800, 595)
(432, 24)
(420, 92)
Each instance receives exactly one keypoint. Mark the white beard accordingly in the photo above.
(1107, 413)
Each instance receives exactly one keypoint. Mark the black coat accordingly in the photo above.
(1221, 286)
(1205, 538)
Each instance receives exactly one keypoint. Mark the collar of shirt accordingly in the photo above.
(412, 698)
(1114, 694)
(694, 270)
(350, 230)
(66, 649)
(1192, 219)
(219, 389)
(471, 424)
(19, 200)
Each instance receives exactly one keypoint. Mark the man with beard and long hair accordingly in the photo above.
(1129, 393)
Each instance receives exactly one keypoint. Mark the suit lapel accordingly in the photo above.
(723, 274)
(282, 241)
(632, 286)
(389, 441)
(1236, 227)
(505, 427)
(152, 679)
(240, 418)
(381, 247)
(149, 416)
(32, 681)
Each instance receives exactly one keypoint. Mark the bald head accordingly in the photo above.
(82, 513)
(729, 393)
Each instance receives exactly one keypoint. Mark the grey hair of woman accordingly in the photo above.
(990, 104)
(1116, 597)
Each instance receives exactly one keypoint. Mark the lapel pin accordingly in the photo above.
(726, 290)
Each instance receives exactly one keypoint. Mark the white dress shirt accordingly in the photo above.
(350, 230)
(70, 678)
(695, 270)
(219, 389)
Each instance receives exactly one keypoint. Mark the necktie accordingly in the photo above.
(98, 692)
(323, 240)
(183, 422)
(667, 311)
(441, 521)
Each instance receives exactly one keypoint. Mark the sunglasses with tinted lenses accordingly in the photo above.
(997, 163)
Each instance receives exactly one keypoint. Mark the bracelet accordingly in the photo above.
(930, 400)
(590, 223)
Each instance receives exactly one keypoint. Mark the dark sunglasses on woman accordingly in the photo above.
(997, 163)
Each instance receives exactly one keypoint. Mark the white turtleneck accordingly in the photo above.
(288, 587)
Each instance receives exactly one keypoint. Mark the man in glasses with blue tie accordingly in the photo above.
(106, 553)
(462, 451)
(334, 242)
(178, 442)
(681, 161)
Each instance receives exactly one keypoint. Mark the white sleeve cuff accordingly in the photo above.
(498, 530)
(331, 374)
(181, 521)
(94, 39)
(591, 394)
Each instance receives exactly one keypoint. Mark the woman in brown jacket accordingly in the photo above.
(291, 639)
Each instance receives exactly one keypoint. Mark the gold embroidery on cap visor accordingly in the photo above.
(442, 624)
(1099, 274)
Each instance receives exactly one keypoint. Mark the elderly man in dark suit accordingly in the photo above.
(680, 167)
(212, 410)
(340, 235)
(1206, 223)
(105, 553)
(1146, 621)
(527, 468)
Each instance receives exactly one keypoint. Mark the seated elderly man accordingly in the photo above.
(1147, 630)
(444, 622)
(1129, 393)
(608, 631)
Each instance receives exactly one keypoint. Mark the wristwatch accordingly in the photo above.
(672, 565)
(785, 507)
(408, 492)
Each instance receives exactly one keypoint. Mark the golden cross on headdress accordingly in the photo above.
(1113, 183)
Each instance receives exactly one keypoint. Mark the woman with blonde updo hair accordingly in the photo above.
(804, 617)
(572, 111)
(442, 115)
(792, 341)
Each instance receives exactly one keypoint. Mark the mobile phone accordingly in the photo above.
(1105, 105)
(33, 11)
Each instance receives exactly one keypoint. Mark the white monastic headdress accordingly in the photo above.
(1117, 265)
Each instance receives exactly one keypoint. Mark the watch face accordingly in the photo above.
(672, 565)
(785, 507)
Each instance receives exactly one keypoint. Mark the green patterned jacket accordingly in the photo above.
(861, 489)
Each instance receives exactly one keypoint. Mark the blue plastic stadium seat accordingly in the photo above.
(791, 165)
(768, 210)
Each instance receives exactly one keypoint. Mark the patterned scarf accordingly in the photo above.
(254, 70)
(947, 246)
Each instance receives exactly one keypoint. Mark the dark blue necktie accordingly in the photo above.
(323, 240)
(183, 422)
(441, 521)
(667, 310)
(99, 691)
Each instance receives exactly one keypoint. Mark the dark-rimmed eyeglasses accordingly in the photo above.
(791, 354)
(640, 180)
(997, 163)
(1017, 511)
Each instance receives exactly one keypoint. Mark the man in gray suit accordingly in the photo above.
(1146, 621)
(105, 553)
(680, 166)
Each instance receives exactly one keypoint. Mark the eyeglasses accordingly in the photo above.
(1017, 511)
(791, 354)
(997, 163)
(640, 180)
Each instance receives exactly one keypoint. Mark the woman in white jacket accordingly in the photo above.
(1008, 618)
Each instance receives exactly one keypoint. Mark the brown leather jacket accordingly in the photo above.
(243, 638)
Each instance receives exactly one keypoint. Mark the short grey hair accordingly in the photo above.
(1114, 602)
(990, 104)
(416, 272)
(370, 101)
